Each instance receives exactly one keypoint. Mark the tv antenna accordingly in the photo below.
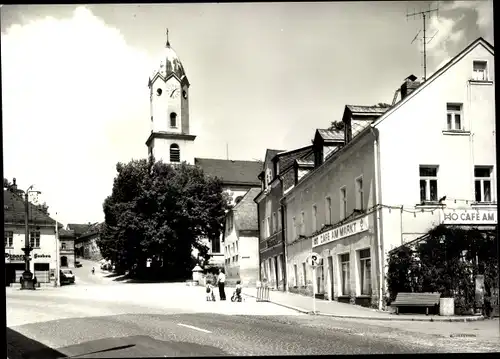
(425, 40)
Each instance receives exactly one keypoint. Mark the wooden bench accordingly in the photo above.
(426, 300)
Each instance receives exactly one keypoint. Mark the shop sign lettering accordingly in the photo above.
(14, 257)
(470, 216)
(41, 255)
(346, 230)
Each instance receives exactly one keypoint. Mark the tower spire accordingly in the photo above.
(168, 43)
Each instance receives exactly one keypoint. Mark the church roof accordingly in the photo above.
(245, 212)
(169, 64)
(231, 172)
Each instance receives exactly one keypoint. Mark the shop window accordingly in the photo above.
(482, 182)
(428, 184)
(35, 239)
(345, 275)
(365, 272)
(9, 239)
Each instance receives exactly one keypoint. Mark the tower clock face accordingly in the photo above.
(172, 89)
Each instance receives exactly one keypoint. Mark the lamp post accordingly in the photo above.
(27, 282)
(56, 279)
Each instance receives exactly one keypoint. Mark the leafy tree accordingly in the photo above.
(6, 183)
(337, 126)
(161, 212)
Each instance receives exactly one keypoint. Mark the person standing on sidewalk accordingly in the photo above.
(221, 281)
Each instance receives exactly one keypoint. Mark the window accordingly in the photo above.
(175, 153)
(173, 119)
(482, 182)
(216, 245)
(304, 272)
(343, 203)
(365, 272)
(268, 227)
(275, 225)
(63, 246)
(302, 223)
(279, 219)
(345, 279)
(328, 212)
(296, 272)
(314, 218)
(454, 116)
(479, 71)
(35, 239)
(263, 230)
(9, 238)
(237, 248)
(428, 184)
(294, 228)
(359, 193)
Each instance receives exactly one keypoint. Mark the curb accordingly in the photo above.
(401, 319)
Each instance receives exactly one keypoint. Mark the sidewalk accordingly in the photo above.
(304, 304)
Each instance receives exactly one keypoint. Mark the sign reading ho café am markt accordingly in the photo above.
(470, 216)
(345, 230)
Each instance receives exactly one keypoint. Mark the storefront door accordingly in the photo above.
(42, 272)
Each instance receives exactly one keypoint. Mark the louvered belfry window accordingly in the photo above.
(175, 153)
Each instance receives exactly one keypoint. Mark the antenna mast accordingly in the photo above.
(424, 39)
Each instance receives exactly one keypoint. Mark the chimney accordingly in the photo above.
(409, 85)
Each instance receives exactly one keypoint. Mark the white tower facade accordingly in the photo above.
(170, 140)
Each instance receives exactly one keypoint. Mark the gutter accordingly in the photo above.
(380, 251)
(283, 237)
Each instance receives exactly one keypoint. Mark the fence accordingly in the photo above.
(263, 294)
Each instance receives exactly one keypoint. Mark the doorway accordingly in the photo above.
(13, 272)
(42, 272)
(64, 261)
(330, 274)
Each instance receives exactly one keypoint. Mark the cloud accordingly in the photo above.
(451, 32)
(75, 101)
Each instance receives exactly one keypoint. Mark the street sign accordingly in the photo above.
(314, 259)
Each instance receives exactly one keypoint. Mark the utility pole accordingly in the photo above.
(424, 39)
(27, 282)
(56, 277)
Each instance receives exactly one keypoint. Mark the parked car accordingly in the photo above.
(78, 264)
(66, 276)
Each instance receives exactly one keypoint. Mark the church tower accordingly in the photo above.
(170, 140)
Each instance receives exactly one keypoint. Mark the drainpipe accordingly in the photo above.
(376, 155)
(283, 236)
(260, 240)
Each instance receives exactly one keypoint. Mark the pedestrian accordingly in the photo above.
(221, 280)
(35, 281)
(93, 270)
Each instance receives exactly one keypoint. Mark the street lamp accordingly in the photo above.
(27, 282)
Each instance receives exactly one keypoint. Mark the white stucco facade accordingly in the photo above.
(43, 255)
(416, 134)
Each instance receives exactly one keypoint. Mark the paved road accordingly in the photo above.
(74, 320)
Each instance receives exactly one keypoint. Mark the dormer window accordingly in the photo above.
(173, 119)
(479, 71)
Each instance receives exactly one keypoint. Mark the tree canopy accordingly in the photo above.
(160, 212)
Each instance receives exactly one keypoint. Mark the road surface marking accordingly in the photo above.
(195, 328)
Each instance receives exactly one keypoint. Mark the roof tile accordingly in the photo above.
(229, 171)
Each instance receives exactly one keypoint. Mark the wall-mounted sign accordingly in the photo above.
(36, 255)
(345, 230)
(15, 257)
(470, 216)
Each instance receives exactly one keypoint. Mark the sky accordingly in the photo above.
(75, 99)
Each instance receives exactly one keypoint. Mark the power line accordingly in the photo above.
(425, 40)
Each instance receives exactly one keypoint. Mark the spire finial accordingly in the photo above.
(168, 43)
